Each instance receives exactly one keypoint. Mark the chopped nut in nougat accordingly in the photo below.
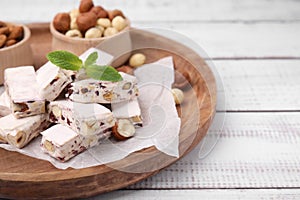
(129, 110)
(96, 91)
(19, 132)
(85, 119)
(63, 143)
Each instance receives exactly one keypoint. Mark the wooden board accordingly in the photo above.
(26, 177)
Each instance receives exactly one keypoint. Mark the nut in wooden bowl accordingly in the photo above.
(89, 26)
(16, 50)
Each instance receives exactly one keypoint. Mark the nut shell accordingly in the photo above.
(61, 22)
(112, 14)
(2, 40)
(85, 6)
(123, 130)
(86, 21)
(99, 11)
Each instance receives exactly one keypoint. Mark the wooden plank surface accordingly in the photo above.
(233, 194)
(239, 40)
(163, 10)
(253, 150)
(260, 85)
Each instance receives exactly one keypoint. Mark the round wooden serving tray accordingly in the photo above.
(23, 177)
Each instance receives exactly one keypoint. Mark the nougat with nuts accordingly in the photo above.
(96, 91)
(23, 90)
(85, 119)
(19, 132)
(62, 143)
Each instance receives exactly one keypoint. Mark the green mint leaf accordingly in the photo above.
(65, 60)
(91, 59)
(104, 73)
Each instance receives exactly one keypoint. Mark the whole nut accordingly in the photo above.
(119, 23)
(85, 6)
(93, 33)
(123, 129)
(74, 13)
(126, 69)
(99, 11)
(112, 14)
(61, 22)
(73, 24)
(101, 28)
(16, 33)
(10, 42)
(104, 22)
(110, 31)
(2, 24)
(4, 30)
(2, 40)
(137, 60)
(178, 95)
(86, 21)
(74, 33)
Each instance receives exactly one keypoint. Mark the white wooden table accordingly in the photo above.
(255, 46)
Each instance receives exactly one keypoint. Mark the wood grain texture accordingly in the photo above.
(239, 40)
(25, 177)
(284, 194)
(163, 10)
(260, 85)
(254, 150)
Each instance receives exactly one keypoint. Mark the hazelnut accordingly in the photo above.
(99, 11)
(85, 6)
(4, 30)
(110, 31)
(119, 23)
(2, 24)
(123, 129)
(74, 13)
(93, 33)
(73, 24)
(74, 33)
(18, 140)
(112, 14)
(62, 22)
(86, 21)
(126, 69)
(178, 95)
(2, 40)
(16, 33)
(104, 22)
(10, 42)
(137, 60)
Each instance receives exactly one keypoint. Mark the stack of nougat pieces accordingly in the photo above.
(71, 111)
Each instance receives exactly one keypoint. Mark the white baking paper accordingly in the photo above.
(161, 123)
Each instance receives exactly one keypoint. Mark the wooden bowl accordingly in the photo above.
(16, 55)
(79, 45)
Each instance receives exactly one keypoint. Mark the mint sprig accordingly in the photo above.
(69, 61)
(65, 60)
